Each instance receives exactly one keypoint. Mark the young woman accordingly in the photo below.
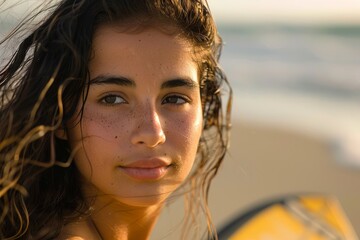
(108, 107)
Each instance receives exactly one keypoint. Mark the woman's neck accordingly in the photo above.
(110, 220)
(114, 221)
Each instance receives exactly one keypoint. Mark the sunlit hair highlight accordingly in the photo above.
(45, 80)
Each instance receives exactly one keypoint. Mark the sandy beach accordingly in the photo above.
(266, 163)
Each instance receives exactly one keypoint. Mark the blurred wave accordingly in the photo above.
(320, 59)
(305, 78)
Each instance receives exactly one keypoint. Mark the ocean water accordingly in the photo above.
(303, 78)
(324, 60)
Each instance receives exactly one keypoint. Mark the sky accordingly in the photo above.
(288, 11)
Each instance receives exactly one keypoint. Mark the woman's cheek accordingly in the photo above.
(108, 126)
(187, 131)
(97, 135)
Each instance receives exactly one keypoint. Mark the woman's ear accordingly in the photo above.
(61, 133)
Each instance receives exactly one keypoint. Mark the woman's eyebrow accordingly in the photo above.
(123, 81)
(118, 80)
(180, 82)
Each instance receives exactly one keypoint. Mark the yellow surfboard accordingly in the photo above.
(296, 218)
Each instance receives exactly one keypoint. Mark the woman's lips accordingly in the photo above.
(152, 169)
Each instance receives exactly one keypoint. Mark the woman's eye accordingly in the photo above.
(112, 99)
(175, 100)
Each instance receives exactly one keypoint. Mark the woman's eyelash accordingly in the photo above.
(176, 99)
(112, 99)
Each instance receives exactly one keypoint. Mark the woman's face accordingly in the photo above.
(142, 119)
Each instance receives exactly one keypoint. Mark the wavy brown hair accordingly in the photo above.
(48, 75)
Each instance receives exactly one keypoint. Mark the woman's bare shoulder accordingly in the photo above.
(82, 230)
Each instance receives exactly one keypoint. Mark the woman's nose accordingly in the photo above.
(148, 129)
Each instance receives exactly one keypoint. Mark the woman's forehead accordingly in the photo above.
(147, 52)
(137, 27)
